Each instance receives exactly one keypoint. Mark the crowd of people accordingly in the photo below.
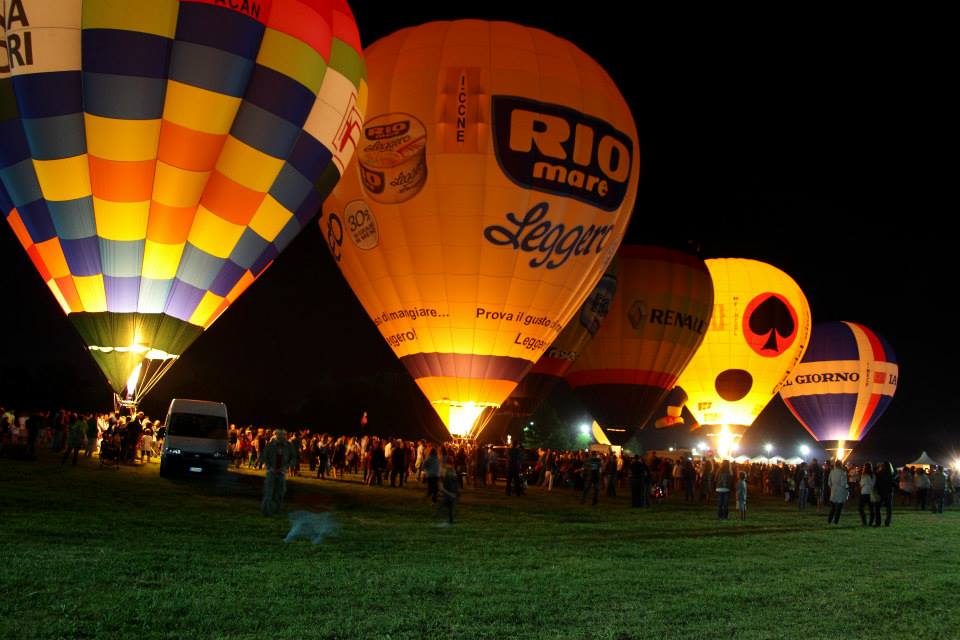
(119, 437)
(444, 469)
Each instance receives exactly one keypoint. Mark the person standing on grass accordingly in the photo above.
(76, 436)
(611, 473)
(885, 486)
(838, 491)
(450, 491)
(723, 483)
(639, 483)
(146, 443)
(867, 482)
(591, 478)
(432, 470)
(706, 484)
(921, 487)
(92, 432)
(800, 481)
(742, 495)
(514, 467)
(278, 457)
(689, 477)
(938, 488)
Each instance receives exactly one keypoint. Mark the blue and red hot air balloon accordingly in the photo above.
(843, 385)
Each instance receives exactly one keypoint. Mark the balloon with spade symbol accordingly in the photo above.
(758, 333)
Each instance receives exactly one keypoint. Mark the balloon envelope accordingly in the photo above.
(495, 176)
(157, 156)
(550, 369)
(758, 332)
(657, 319)
(844, 383)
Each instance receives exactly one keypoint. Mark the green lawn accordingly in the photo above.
(91, 553)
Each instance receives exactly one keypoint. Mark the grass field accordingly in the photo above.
(91, 553)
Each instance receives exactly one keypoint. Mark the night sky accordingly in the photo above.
(813, 142)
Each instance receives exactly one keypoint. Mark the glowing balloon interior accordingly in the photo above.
(157, 156)
(844, 383)
(758, 333)
(493, 181)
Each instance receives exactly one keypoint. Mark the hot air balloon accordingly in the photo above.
(549, 370)
(657, 319)
(494, 178)
(843, 385)
(758, 332)
(157, 156)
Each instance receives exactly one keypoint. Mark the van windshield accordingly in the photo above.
(192, 425)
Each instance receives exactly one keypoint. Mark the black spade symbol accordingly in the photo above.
(733, 384)
(772, 317)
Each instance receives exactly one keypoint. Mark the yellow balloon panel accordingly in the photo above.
(759, 331)
(493, 180)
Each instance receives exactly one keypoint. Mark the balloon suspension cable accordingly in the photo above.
(149, 379)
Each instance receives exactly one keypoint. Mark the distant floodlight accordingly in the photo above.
(768, 447)
(584, 429)
(804, 449)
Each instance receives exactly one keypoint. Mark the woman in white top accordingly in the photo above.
(838, 491)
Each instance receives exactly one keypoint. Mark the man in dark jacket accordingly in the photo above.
(591, 470)
(884, 485)
(514, 466)
(639, 483)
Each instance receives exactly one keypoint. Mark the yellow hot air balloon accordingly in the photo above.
(759, 331)
(494, 178)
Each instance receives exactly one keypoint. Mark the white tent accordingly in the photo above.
(794, 460)
(759, 460)
(777, 459)
(742, 459)
(923, 461)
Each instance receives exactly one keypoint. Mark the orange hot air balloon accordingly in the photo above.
(657, 320)
(494, 178)
(759, 332)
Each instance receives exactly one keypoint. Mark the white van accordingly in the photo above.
(196, 438)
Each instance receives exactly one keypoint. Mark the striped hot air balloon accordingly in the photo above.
(495, 176)
(658, 318)
(843, 385)
(157, 155)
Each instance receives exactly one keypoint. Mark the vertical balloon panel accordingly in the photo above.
(164, 153)
(496, 174)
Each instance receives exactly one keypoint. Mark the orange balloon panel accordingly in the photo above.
(759, 332)
(658, 318)
(494, 178)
